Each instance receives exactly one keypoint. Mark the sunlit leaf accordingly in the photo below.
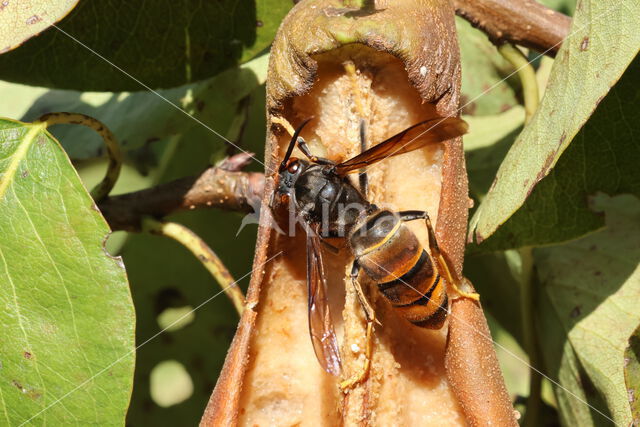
(603, 42)
(604, 156)
(19, 21)
(67, 321)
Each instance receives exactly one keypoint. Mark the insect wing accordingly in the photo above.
(417, 136)
(325, 343)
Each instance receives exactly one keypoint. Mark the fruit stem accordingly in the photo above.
(527, 76)
(203, 253)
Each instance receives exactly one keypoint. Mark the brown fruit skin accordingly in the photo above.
(421, 33)
(472, 367)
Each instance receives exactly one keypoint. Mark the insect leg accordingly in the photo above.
(360, 376)
(364, 181)
(437, 254)
(366, 306)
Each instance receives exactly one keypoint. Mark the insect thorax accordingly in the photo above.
(329, 200)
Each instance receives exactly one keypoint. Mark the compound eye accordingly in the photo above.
(293, 167)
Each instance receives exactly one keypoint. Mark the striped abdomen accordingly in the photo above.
(392, 257)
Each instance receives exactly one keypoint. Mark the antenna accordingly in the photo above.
(292, 144)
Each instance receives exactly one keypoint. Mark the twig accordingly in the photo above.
(203, 252)
(526, 23)
(101, 190)
(215, 188)
(527, 76)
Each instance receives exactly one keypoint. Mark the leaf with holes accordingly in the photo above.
(67, 320)
(20, 21)
(588, 308)
(603, 42)
(119, 45)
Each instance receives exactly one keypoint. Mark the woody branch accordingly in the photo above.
(523, 22)
(223, 187)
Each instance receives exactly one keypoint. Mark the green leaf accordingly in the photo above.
(632, 375)
(604, 156)
(483, 71)
(160, 44)
(67, 347)
(142, 119)
(20, 21)
(602, 43)
(488, 141)
(588, 308)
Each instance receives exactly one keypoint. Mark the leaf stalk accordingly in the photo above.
(527, 76)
